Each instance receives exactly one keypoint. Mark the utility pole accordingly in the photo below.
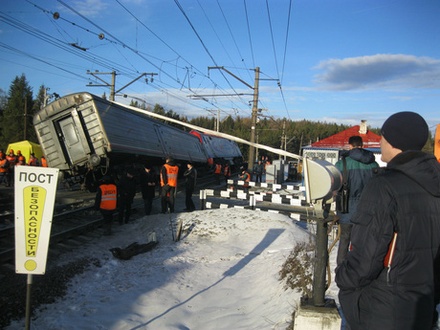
(217, 120)
(106, 84)
(113, 81)
(251, 157)
(283, 138)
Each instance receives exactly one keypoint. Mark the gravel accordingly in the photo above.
(45, 289)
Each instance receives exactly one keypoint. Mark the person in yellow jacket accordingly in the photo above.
(168, 184)
(106, 201)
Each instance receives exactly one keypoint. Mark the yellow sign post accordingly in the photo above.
(35, 190)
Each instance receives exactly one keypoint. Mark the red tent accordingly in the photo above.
(340, 140)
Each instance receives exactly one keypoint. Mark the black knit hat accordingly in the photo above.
(406, 131)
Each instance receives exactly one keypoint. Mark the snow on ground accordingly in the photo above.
(222, 274)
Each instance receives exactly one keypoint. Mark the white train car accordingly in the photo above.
(83, 132)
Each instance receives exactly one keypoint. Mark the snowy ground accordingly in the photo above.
(222, 274)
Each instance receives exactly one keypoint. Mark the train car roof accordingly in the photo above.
(63, 103)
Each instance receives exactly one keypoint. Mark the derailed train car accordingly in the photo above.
(85, 135)
(218, 149)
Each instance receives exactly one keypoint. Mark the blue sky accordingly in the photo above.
(335, 60)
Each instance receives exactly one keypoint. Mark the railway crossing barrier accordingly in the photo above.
(292, 198)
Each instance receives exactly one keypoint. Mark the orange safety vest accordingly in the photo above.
(33, 161)
(108, 197)
(43, 162)
(218, 169)
(227, 171)
(3, 162)
(247, 178)
(172, 172)
(20, 161)
(11, 159)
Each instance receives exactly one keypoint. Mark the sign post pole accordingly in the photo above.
(35, 190)
(28, 302)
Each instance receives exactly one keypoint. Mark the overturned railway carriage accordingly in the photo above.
(218, 149)
(82, 133)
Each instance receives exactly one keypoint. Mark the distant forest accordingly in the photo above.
(18, 105)
(277, 133)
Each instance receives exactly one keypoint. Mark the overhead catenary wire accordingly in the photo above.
(39, 59)
(272, 38)
(233, 38)
(50, 40)
(249, 33)
(186, 76)
(286, 41)
(120, 42)
(203, 44)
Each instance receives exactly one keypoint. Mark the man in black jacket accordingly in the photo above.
(148, 181)
(126, 193)
(389, 279)
(359, 166)
(190, 184)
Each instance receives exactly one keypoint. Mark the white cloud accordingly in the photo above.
(379, 71)
(90, 8)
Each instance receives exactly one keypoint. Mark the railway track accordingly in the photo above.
(74, 222)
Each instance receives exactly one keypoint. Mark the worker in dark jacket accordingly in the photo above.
(258, 171)
(389, 279)
(106, 202)
(190, 184)
(359, 165)
(148, 187)
(126, 193)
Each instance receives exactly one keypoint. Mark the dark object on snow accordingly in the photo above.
(132, 250)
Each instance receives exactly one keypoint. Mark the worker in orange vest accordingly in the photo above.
(227, 172)
(218, 172)
(168, 183)
(21, 161)
(33, 161)
(19, 154)
(4, 169)
(246, 177)
(43, 161)
(106, 201)
(12, 160)
(11, 157)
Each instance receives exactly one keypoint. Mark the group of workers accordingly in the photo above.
(222, 171)
(257, 173)
(10, 160)
(112, 197)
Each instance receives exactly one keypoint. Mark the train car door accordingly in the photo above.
(73, 138)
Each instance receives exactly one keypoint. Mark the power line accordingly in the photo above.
(249, 33)
(201, 41)
(185, 76)
(273, 42)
